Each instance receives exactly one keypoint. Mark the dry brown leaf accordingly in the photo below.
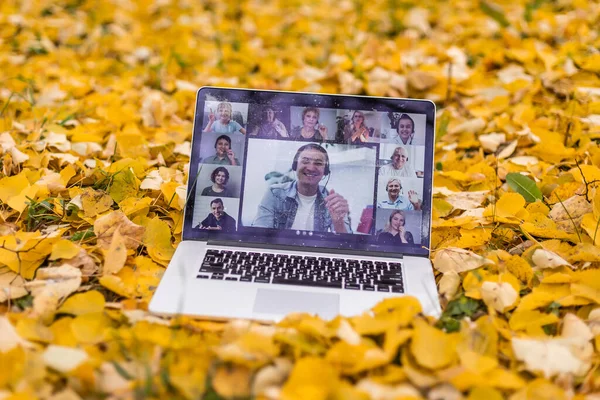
(458, 260)
(11, 285)
(50, 286)
(105, 227)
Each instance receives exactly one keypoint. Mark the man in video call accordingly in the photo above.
(302, 204)
(396, 201)
(218, 219)
(223, 153)
(405, 130)
(399, 165)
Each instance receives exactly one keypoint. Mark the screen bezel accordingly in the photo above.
(327, 241)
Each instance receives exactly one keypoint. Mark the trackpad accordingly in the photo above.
(282, 302)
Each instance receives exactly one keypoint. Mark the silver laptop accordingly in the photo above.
(303, 202)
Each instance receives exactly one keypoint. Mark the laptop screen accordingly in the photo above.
(311, 170)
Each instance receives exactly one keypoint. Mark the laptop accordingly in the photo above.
(303, 202)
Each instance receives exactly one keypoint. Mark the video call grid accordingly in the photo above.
(232, 125)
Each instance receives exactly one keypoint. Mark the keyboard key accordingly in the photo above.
(231, 278)
(217, 276)
(353, 286)
(398, 289)
(383, 288)
(369, 288)
(212, 269)
(262, 279)
(307, 283)
(246, 279)
(389, 281)
(201, 276)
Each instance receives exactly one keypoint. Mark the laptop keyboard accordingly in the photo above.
(298, 270)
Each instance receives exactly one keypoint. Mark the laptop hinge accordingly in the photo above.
(265, 246)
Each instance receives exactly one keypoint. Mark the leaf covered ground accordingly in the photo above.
(96, 107)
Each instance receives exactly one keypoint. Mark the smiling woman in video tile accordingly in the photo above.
(395, 231)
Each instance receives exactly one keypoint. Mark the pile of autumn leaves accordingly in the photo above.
(94, 170)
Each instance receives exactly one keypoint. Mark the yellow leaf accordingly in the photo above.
(540, 389)
(503, 379)
(352, 359)
(585, 291)
(168, 190)
(90, 328)
(473, 281)
(158, 240)
(133, 207)
(389, 374)
(419, 376)
(83, 303)
(252, 349)
(441, 208)
(132, 145)
(520, 268)
(95, 202)
(557, 278)
(143, 280)
(401, 309)
(431, 347)
(33, 329)
(311, 378)
(484, 393)
(591, 224)
(61, 330)
(511, 205)
(11, 186)
(22, 200)
(367, 324)
(523, 319)
(116, 284)
(232, 381)
(473, 237)
(394, 338)
(585, 173)
(543, 295)
(116, 254)
(124, 184)
(64, 249)
(14, 362)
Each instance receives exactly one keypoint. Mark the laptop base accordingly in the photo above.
(181, 292)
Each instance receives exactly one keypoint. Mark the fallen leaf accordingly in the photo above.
(105, 226)
(431, 347)
(116, 255)
(63, 359)
(83, 303)
(546, 259)
(458, 260)
(50, 286)
(554, 356)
